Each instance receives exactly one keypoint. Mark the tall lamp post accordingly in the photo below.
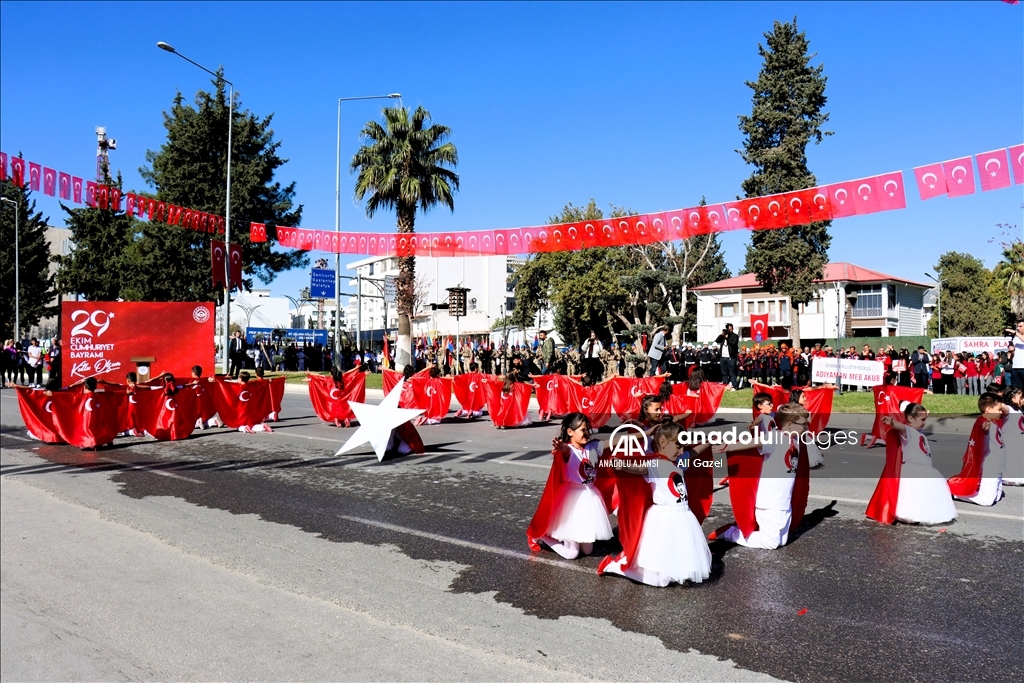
(17, 269)
(938, 300)
(337, 229)
(227, 204)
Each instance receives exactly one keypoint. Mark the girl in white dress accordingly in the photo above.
(924, 496)
(672, 546)
(581, 517)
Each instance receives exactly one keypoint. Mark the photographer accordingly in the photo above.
(729, 342)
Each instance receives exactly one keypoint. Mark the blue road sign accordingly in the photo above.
(321, 283)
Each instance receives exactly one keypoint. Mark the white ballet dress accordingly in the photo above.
(1013, 437)
(990, 490)
(924, 496)
(672, 546)
(582, 516)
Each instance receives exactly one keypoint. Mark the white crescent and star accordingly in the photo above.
(931, 183)
(895, 186)
(244, 396)
(335, 394)
(842, 200)
(959, 181)
(864, 195)
(169, 404)
(377, 421)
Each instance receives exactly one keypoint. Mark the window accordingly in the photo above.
(869, 302)
(760, 307)
(891, 298)
(750, 307)
(725, 310)
(771, 306)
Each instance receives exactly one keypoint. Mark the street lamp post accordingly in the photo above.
(938, 299)
(17, 269)
(337, 229)
(227, 204)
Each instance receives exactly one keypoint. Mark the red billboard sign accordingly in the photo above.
(106, 339)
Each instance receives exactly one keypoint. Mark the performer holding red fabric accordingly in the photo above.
(206, 395)
(242, 404)
(818, 403)
(554, 395)
(470, 393)
(910, 489)
(592, 399)
(671, 547)
(431, 394)
(628, 393)
(167, 415)
(768, 485)
(571, 514)
(92, 418)
(330, 394)
(508, 402)
(888, 398)
(981, 479)
(36, 406)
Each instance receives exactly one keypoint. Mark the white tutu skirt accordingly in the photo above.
(582, 516)
(924, 496)
(672, 547)
(814, 456)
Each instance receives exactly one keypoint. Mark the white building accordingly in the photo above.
(886, 306)
(256, 308)
(486, 277)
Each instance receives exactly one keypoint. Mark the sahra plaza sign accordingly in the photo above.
(106, 339)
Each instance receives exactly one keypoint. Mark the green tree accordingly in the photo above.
(190, 169)
(101, 265)
(787, 114)
(1009, 273)
(403, 165)
(969, 307)
(35, 290)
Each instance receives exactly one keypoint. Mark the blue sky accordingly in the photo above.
(631, 104)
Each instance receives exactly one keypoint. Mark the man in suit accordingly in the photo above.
(657, 351)
(729, 342)
(237, 353)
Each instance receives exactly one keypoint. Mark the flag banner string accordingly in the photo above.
(73, 189)
(873, 194)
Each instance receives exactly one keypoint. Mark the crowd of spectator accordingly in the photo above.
(24, 362)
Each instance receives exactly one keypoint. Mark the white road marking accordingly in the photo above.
(151, 469)
(494, 550)
(976, 513)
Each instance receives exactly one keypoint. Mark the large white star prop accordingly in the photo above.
(376, 422)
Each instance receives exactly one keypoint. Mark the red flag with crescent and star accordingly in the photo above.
(993, 169)
(469, 392)
(166, 417)
(217, 263)
(1017, 162)
(759, 327)
(507, 409)
(433, 395)
(968, 481)
(330, 400)
(882, 506)
(959, 177)
(242, 404)
(931, 182)
(37, 411)
(628, 394)
(90, 419)
(887, 402)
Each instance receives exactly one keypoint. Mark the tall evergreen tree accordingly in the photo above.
(971, 306)
(404, 165)
(787, 114)
(36, 292)
(190, 169)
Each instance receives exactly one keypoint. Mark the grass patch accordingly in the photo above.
(863, 402)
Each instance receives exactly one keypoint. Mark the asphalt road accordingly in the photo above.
(419, 569)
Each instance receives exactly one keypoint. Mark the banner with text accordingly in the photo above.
(107, 339)
(858, 373)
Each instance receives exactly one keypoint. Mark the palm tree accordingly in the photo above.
(1010, 273)
(402, 167)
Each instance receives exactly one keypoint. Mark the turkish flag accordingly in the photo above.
(330, 399)
(206, 398)
(763, 213)
(628, 393)
(866, 198)
(432, 395)
(37, 412)
(443, 245)
(625, 229)
(18, 171)
(716, 218)
(507, 410)
(1016, 160)
(890, 191)
(680, 402)
(285, 236)
(814, 204)
(49, 182)
(759, 327)
(217, 263)
(3, 165)
(677, 228)
(528, 240)
(90, 193)
(35, 176)
(882, 506)
(242, 404)
(102, 196)
(596, 402)
(90, 419)
(590, 235)
(166, 417)
(842, 197)
(797, 204)
(968, 481)
(819, 405)
(235, 274)
(709, 398)
(514, 241)
(553, 395)
(887, 402)
(470, 393)
(64, 185)
(642, 229)
(931, 181)
(406, 245)
(76, 190)
(129, 204)
(736, 212)
(995, 172)
(658, 226)
(173, 214)
(959, 176)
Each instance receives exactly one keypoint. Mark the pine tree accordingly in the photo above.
(190, 169)
(36, 294)
(787, 114)
(971, 306)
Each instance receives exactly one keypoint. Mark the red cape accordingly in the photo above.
(708, 400)
(431, 395)
(968, 481)
(887, 402)
(680, 401)
(628, 393)
(594, 401)
(507, 410)
(700, 489)
(549, 500)
(407, 433)
(819, 405)
(242, 404)
(166, 418)
(469, 392)
(206, 392)
(634, 499)
(88, 420)
(778, 394)
(555, 394)
(276, 395)
(331, 403)
(37, 412)
(390, 379)
(745, 475)
(882, 506)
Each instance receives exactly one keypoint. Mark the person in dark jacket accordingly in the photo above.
(729, 343)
